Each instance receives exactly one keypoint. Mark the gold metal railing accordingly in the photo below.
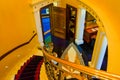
(55, 72)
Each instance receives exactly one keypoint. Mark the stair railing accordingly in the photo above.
(55, 72)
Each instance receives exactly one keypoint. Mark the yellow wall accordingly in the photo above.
(109, 13)
(16, 23)
(10, 65)
(16, 27)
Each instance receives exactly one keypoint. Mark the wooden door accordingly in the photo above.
(58, 25)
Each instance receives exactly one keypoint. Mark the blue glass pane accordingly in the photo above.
(45, 19)
(45, 11)
(46, 24)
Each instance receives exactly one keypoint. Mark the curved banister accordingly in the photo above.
(87, 70)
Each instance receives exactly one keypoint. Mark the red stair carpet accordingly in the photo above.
(31, 69)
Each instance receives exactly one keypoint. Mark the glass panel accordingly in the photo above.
(46, 29)
(45, 11)
(46, 23)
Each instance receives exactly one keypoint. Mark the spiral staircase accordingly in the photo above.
(43, 68)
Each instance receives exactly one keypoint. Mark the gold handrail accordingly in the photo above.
(87, 70)
(72, 74)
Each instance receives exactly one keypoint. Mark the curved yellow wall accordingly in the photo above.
(16, 27)
(16, 23)
(109, 13)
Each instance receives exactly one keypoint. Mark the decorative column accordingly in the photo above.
(81, 13)
(39, 27)
(99, 50)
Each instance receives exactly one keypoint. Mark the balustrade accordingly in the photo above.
(55, 72)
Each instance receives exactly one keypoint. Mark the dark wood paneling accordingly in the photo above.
(59, 22)
(71, 14)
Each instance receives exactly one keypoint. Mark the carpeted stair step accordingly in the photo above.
(27, 78)
(27, 74)
(31, 69)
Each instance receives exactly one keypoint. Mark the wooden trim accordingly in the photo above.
(87, 70)
(47, 32)
(23, 44)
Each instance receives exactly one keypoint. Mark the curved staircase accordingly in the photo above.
(31, 69)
